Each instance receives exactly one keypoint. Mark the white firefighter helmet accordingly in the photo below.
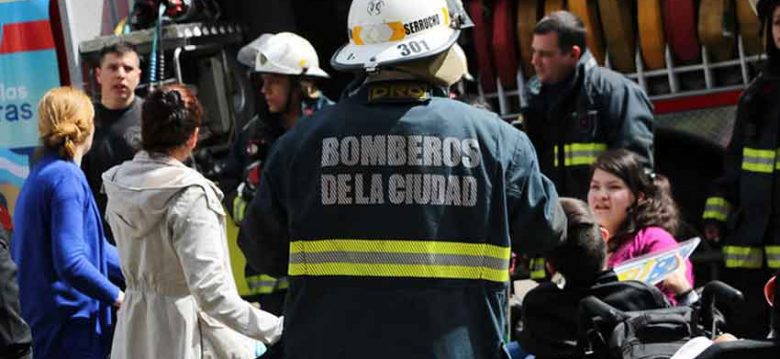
(386, 32)
(248, 53)
(285, 54)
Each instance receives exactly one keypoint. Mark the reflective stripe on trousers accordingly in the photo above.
(537, 269)
(773, 256)
(716, 208)
(399, 258)
(743, 257)
(758, 160)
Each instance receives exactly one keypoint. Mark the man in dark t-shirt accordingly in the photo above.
(117, 118)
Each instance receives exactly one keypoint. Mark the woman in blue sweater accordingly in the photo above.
(66, 267)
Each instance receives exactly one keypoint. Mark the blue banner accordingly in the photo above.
(28, 68)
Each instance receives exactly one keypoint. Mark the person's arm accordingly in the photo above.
(196, 233)
(630, 112)
(69, 242)
(266, 243)
(537, 222)
(658, 240)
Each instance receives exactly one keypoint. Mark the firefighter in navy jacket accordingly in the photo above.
(744, 208)
(394, 212)
(575, 109)
(286, 68)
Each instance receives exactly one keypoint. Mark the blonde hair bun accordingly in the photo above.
(65, 119)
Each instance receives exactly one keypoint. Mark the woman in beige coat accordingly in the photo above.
(181, 300)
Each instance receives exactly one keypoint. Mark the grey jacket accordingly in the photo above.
(181, 299)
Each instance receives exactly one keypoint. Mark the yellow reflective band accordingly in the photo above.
(582, 154)
(743, 257)
(265, 284)
(760, 161)
(356, 35)
(777, 159)
(283, 283)
(716, 208)
(773, 256)
(537, 268)
(261, 284)
(398, 270)
(538, 274)
(239, 208)
(555, 160)
(399, 258)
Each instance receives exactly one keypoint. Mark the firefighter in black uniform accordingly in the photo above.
(286, 68)
(744, 208)
(394, 212)
(575, 109)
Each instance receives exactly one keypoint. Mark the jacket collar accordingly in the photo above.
(161, 158)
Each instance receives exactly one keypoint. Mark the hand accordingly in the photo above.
(726, 337)
(678, 281)
(712, 232)
(120, 298)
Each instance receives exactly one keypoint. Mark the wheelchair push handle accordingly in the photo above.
(717, 292)
(597, 307)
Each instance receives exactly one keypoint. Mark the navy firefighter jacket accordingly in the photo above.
(394, 213)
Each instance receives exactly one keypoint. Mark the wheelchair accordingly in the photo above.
(607, 333)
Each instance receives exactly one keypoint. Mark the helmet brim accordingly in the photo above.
(270, 68)
(351, 57)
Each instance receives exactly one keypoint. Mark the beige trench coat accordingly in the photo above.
(181, 300)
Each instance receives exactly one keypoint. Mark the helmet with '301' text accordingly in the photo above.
(387, 32)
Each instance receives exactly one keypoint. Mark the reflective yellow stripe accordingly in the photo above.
(743, 257)
(537, 268)
(261, 284)
(777, 159)
(401, 258)
(282, 284)
(239, 208)
(398, 270)
(555, 157)
(716, 208)
(265, 284)
(582, 154)
(756, 160)
(773, 256)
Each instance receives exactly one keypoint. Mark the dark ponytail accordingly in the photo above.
(170, 116)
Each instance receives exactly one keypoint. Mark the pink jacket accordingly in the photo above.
(649, 240)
